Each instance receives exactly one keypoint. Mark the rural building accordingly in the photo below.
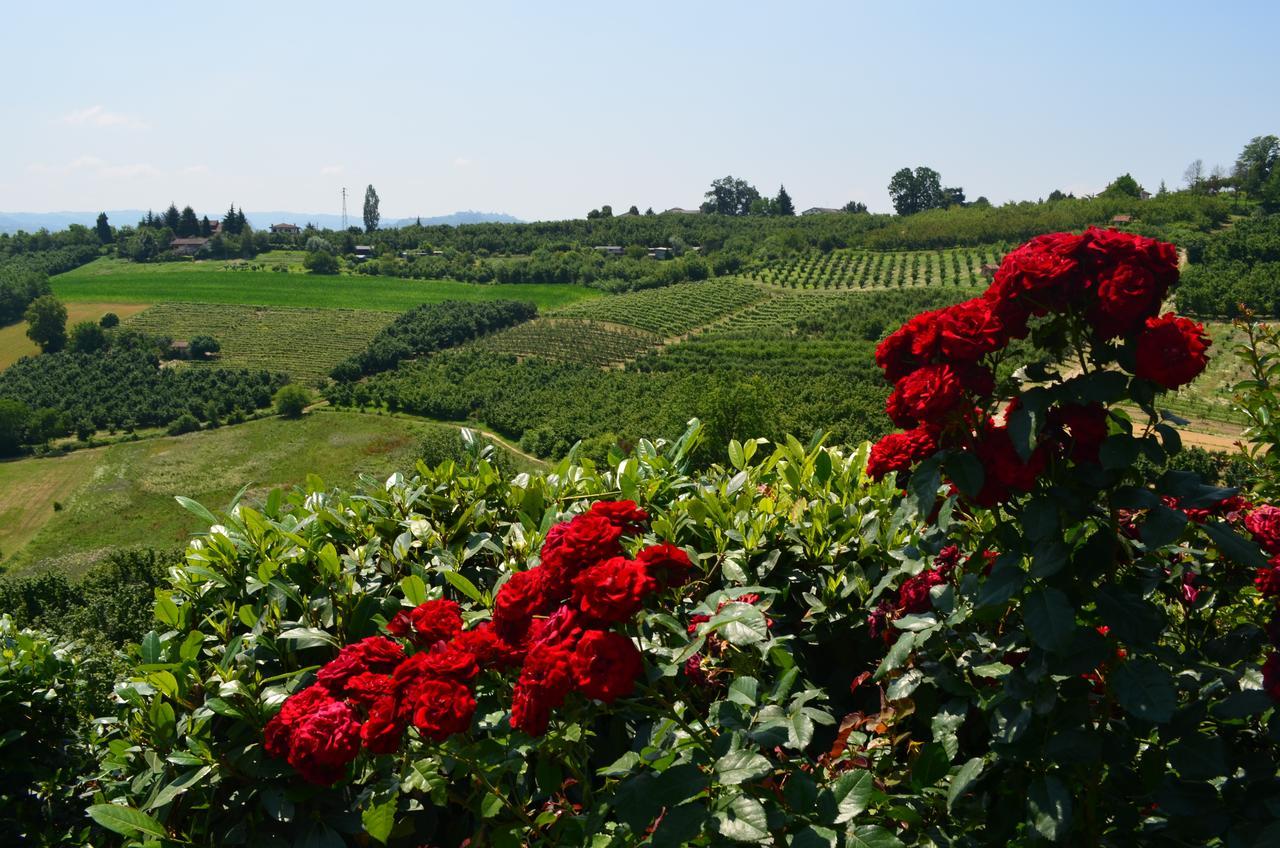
(661, 253)
(364, 251)
(187, 246)
(676, 210)
(180, 348)
(609, 249)
(820, 210)
(286, 229)
(1122, 219)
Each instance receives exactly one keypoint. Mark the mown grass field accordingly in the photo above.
(213, 281)
(14, 343)
(123, 495)
(303, 343)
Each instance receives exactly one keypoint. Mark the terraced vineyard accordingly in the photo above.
(597, 343)
(670, 311)
(303, 343)
(859, 269)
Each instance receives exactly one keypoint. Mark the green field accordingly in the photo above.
(121, 281)
(303, 343)
(671, 310)
(860, 269)
(123, 495)
(14, 343)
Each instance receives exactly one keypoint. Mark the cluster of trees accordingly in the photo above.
(431, 327)
(733, 196)
(123, 386)
(1234, 267)
(1254, 173)
(24, 276)
(921, 190)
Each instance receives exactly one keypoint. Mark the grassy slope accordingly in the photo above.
(122, 281)
(14, 343)
(122, 495)
(304, 343)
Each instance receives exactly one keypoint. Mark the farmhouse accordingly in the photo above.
(1122, 219)
(661, 253)
(820, 210)
(609, 249)
(187, 246)
(363, 251)
(286, 229)
(676, 210)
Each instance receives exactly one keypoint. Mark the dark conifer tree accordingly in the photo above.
(103, 229)
(188, 223)
(172, 217)
(782, 204)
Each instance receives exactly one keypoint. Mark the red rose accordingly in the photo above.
(1080, 430)
(489, 649)
(614, 590)
(324, 742)
(521, 598)
(562, 627)
(1041, 276)
(382, 731)
(375, 654)
(279, 729)
(624, 515)
(606, 665)
(449, 661)
(665, 563)
(899, 452)
(913, 595)
(368, 688)
(1127, 295)
(1005, 470)
(435, 621)
(590, 538)
(441, 708)
(1171, 351)
(545, 680)
(911, 346)
(1264, 524)
(400, 625)
(970, 330)
(1271, 676)
(929, 395)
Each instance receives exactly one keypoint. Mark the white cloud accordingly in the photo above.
(129, 172)
(97, 116)
(192, 170)
(461, 162)
(331, 170)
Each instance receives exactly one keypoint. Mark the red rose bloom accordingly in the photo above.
(1171, 351)
(1127, 295)
(435, 621)
(970, 330)
(913, 595)
(279, 729)
(324, 742)
(1264, 524)
(440, 708)
(382, 731)
(606, 665)
(899, 452)
(545, 680)
(489, 649)
(368, 688)
(666, 564)
(521, 598)
(400, 625)
(1005, 470)
(911, 346)
(614, 590)
(1271, 676)
(590, 538)
(376, 654)
(1041, 276)
(929, 395)
(449, 661)
(624, 515)
(1080, 429)
(1268, 579)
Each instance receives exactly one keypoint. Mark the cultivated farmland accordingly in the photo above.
(672, 310)
(303, 343)
(122, 281)
(858, 269)
(598, 343)
(14, 343)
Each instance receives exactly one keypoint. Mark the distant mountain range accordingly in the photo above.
(11, 222)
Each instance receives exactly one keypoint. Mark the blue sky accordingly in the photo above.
(547, 110)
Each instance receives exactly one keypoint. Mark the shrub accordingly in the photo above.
(185, 423)
(320, 262)
(291, 400)
(109, 320)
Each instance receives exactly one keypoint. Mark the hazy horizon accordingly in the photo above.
(545, 114)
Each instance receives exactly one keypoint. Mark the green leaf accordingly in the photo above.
(680, 826)
(898, 654)
(126, 821)
(815, 837)
(1040, 519)
(490, 805)
(963, 780)
(743, 691)
(1144, 690)
(379, 818)
(1163, 526)
(1233, 546)
(414, 589)
(1130, 618)
(744, 821)
(852, 792)
(177, 786)
(1003, 583)
(931, 765)
(741, 624)
(151, 650)
(1118, 451)
(196, 509)
(966, 472)
(1050, 807)
(871, 836)
(1050, 619)
(741, 766)
(308, 637)
(167, 612)
(463, 585)
(799, 729)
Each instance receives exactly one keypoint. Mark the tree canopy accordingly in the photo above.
(916, 191)
(47, 323)
(371, 215)
(730, 196)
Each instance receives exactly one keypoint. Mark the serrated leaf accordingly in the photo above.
(740, 624)
(852, 792)
(744, 821)
(380, 818)
(963, 780)
(871, 836)
(1049, 805)
(1145, 690)
(1050, 619)
(741, 766)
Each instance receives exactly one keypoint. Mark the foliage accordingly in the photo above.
(88, 337)
(109, 320)
(1256, 163)
(291, 400)
(202, 345)
(47, 323)
(730, 196)
(321, 262)
(1234, 266)
(431, 327)
(1123, 186)
(371, 214)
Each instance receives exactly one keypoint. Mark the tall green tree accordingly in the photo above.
(231, 222)
(782, 204)
(103, 229)
(855, 207)
(47, 323)
(188, 223)
(88, 337)
(1123, 186)
(1255, 163)
(371, 216)
(916, 191)
(14, 416)
(730, 196)
(172, 217)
